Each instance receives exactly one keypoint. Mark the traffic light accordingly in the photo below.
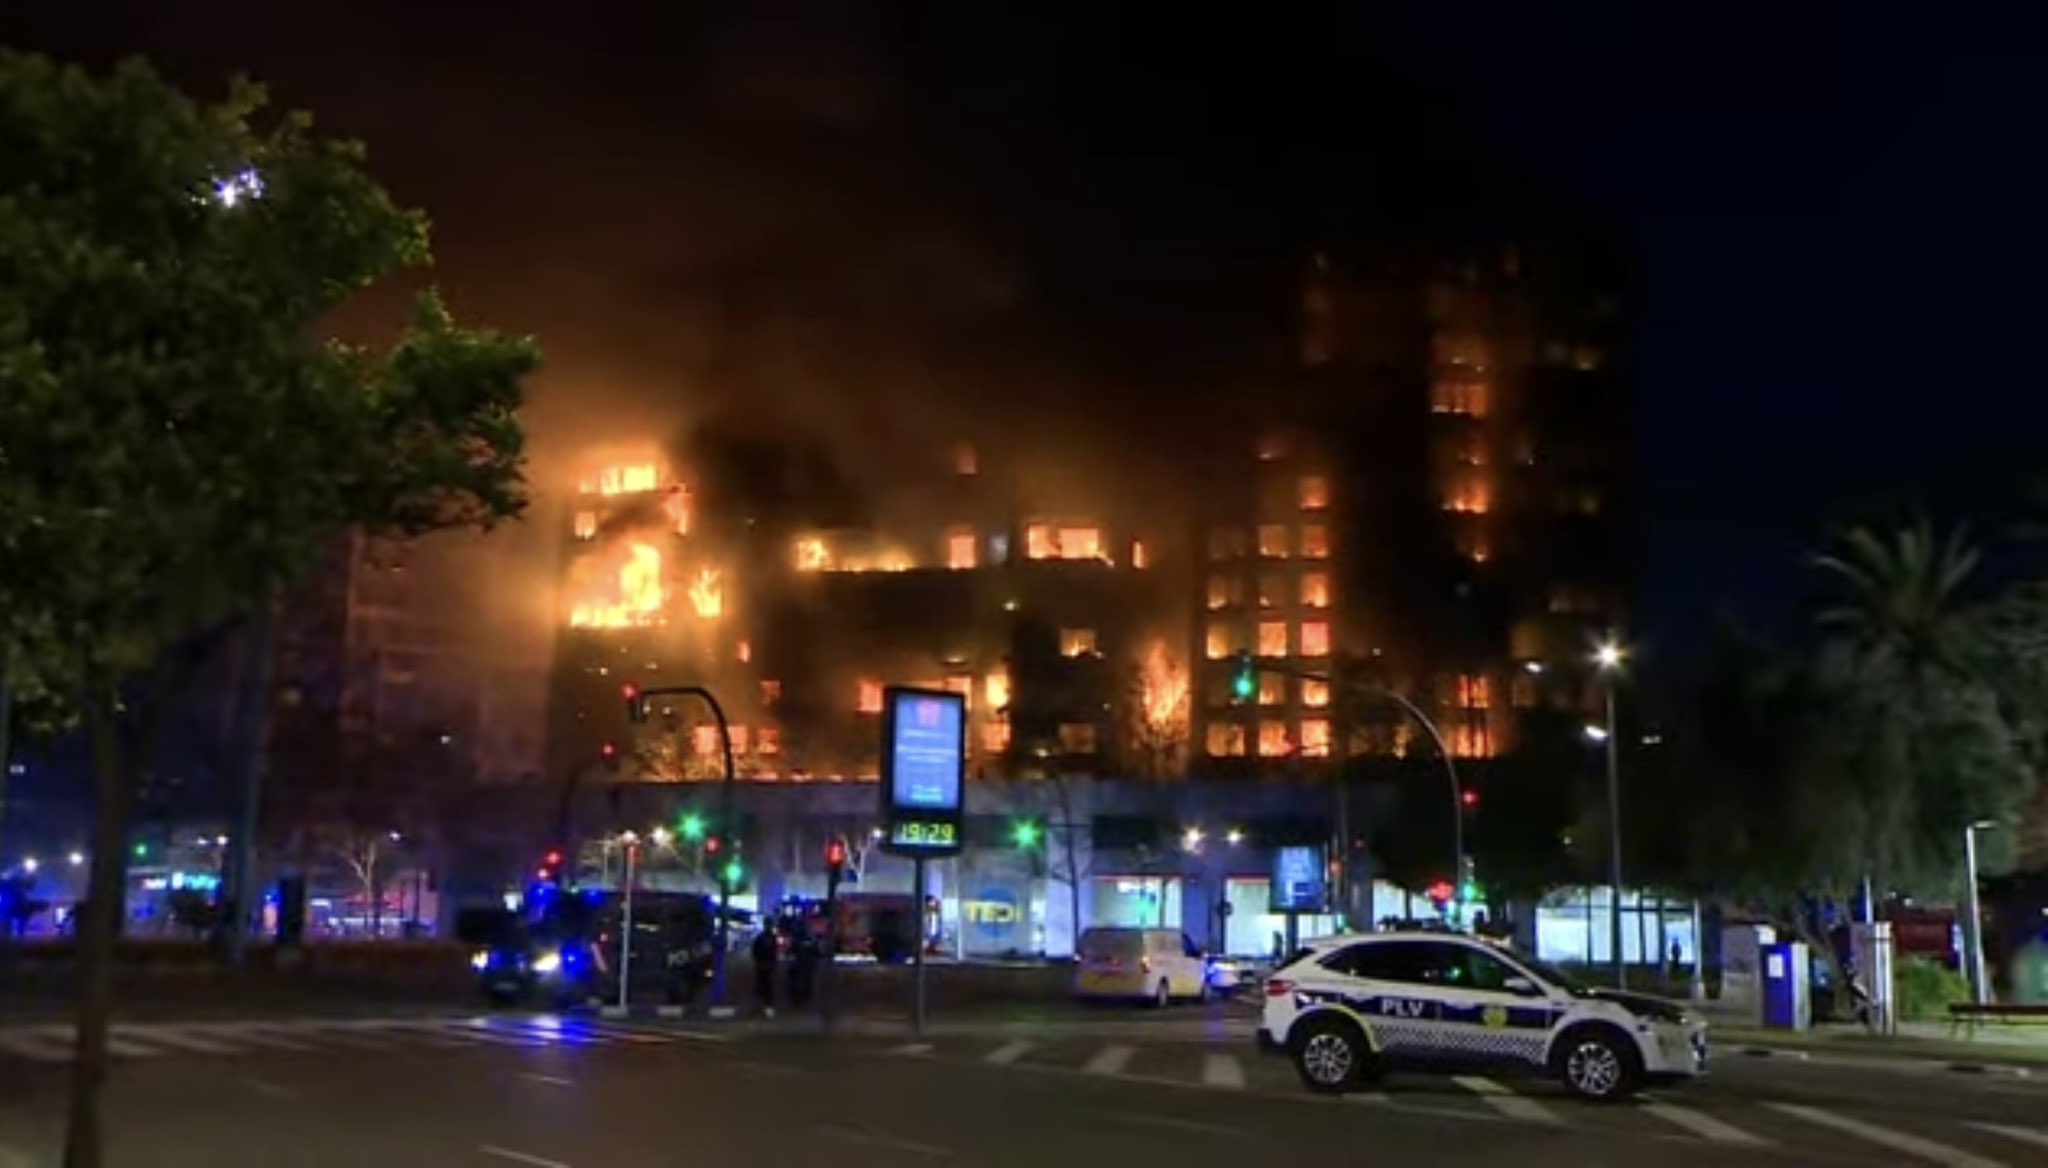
(609, 755)
(1025, 834)
(1244, 678)
(1440, 892)
(636, 704)
(712, 845)
(835, 855)
(1469, 893)
(550, 870)
(733, 874)
(691, 827)
(1468, 799)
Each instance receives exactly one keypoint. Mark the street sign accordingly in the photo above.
(924, 755)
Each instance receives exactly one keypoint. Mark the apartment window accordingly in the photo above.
(1522, 691)
(1077, 738)
(1313, 492)
(1273, 740)
(1140, 558)
(1471, 740)
(1221, 641)
(1272, 590)
(1077, 642)
(1081, 543)
(1315, 737)
(1473, 692)
(1040, 542)
(1272, 448)
(771, 693)
(1218, 691)
(1315, 542)
(965, 462)
(995, 737)
(743, 652)
(962, 684)
(1315, 694)
(961, 546)
(704, 741)
(768, 741)
(1225, 740)
(995, 689)
(1472, 542)
(1222, 591)
(1315, 590)
(586, 524)
(1272, 689)
(1459, 395)
(1273, 541)
(1315, 638)
(1226, 543)
(1272, 638)
(868, 697)
(739, 738)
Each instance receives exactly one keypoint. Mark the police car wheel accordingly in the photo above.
(1596, 1064)
(1330, 1055)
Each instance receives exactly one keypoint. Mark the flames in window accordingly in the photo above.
(1162, 692)
(1273, 740)
(995, 689)
(707, 593)
(960, 548)
(1314, 492)
(1315, 737)
(1315, 694)
(628, 479)
(586, 524)
(1044, 541)
(1315, 590)
(814, 553)
(619, 588)
(867, 697)
(1315, 639)
(679, 507)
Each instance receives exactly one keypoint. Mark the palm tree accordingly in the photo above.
(1900, 597)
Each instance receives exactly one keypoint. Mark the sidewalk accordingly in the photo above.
(1991, 1045)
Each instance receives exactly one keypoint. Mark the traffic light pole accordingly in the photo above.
(1443, 750)
(636, 711)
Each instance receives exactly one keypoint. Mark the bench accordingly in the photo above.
(1967, 1016)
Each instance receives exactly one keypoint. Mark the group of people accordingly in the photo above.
(804, 951)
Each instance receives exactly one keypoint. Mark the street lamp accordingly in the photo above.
(76, 858)
(1233, 837)
(1980, 985)
(1608, 658)
(29, 865)
(1191, 839)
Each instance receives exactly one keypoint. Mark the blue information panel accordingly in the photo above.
(924, 755)
(1300, 880)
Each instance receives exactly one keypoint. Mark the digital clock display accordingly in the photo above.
(919, 833)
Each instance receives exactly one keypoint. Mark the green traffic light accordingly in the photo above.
(732, 873)
(1024, 834)
(692, 827)
(1244, 680)
(141, 851)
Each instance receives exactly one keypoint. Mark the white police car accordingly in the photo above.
(1345, 1008)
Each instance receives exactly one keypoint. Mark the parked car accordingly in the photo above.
(1151, 965)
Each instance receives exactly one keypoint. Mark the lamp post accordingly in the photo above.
(1608, 658)
(1980, 984)
(636, 712)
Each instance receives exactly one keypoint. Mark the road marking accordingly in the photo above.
(518, 1157)
(251, 1033)
(1703, 1125)
(2037, 1136)
(36, 1047)
(1507, 1102)
(1370, 1098)
(1009, 1052)
(1885, 1137)
(1110, 1060)
(873, 1138)
(273, 1090)
(912, 1049)
(1222, 1070)
(550, 1080)
(1175, 1123)
(121, 1046)
(178, 1039)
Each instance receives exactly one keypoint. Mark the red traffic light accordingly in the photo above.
(631, 691)
(1468, 798)
(608, 754)
(712, 844)
(835, 853)
(1441, 890)
(554, 859)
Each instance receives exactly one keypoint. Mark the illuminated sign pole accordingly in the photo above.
(924, 755)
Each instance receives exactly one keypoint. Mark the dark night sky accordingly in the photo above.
(1837, 218)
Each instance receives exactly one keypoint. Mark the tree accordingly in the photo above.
(176, 441)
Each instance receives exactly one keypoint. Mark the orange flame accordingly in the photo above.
(636, 600)
(812, 555)
(630, 479)
(678, 507)
(707, 593)
(995, 689)
(1163, 690)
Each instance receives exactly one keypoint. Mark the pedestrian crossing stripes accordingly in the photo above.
(1735, 1123)
(53, 1044)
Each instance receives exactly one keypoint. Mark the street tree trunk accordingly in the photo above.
(99, 926)
(1073, 851)
(244, 895)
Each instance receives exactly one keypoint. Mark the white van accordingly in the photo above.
(1154, 965)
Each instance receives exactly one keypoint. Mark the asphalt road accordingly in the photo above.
(524, 1090)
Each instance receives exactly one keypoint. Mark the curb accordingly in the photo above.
(2005, 1070)
(1774, 1052)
